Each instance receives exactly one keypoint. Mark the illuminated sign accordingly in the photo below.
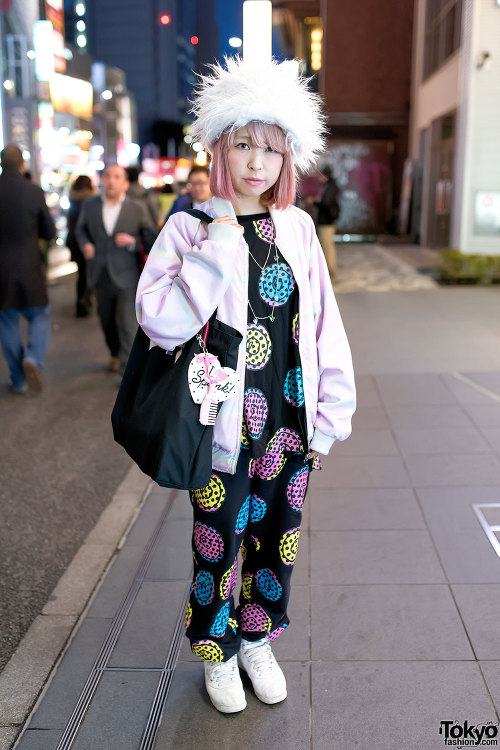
(54, 12)
(72, 95)
(43, 41)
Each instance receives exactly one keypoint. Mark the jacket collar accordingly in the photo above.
(222, 207)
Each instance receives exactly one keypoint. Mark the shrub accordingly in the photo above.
(458, 267)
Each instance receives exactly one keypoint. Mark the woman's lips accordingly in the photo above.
(254, 182)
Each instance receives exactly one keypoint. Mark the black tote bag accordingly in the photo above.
(154, 417)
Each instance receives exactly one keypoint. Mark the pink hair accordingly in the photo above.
(282, 193)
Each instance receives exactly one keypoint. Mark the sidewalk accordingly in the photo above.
(395, 602)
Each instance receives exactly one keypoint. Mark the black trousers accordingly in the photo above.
(116, 310)
(257, 510)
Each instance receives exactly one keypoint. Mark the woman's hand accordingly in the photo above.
(228, 220)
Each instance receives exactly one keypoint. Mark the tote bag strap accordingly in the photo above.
(202, 216)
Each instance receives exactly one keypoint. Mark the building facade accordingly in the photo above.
(455, 124)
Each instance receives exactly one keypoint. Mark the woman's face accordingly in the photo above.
(253, 170)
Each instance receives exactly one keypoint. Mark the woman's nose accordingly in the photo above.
(255, 161)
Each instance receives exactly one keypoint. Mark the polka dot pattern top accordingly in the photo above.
(274, 416)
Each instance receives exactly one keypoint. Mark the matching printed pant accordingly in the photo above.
(257, 510)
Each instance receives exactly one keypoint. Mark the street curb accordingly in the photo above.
(31, 666)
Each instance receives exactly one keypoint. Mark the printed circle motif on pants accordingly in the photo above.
(208, 542)
(255, 410)
(258, 509)
(276, 284)
(285, 439)
(228, 581)
(204, 587)
(268, 466)
(242, 520)
(208, 650)
(258, 347)
(293, 387)
(211, 496)
(297, 487)
(295, 328)
(220, 623)
(289, 544)
(268, 584)
(253, 618)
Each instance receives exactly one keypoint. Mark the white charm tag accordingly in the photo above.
(224, 379)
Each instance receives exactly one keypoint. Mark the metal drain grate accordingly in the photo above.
(489, 529)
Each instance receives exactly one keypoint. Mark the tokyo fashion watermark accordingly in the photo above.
(469, 735)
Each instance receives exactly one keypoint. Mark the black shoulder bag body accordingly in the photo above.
(155, 418)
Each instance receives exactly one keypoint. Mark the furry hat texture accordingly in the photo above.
(270, 92)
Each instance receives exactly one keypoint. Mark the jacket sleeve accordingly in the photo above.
(147, 230)
(336, 389)
(82, 230)
(46, 226)
(184, 279)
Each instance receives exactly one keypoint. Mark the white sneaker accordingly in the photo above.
(258, 660)
(224, 686)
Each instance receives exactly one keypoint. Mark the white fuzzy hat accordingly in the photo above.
(269, 92)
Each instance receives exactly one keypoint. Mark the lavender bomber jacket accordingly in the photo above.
(195, 268)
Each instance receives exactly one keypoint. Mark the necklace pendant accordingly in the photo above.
(255, 321)
(271, 318)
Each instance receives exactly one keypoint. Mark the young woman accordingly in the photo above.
(259, 263)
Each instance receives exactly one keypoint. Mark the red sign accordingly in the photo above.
(54, 12)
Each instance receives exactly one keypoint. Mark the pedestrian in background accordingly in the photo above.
(24, 219)
(197, 190)
(80, 191)
(109, 229)
(260, 266)
(139, 193)
(328, 212)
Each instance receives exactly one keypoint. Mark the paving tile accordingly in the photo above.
(487, 415)
(117, 715)
(448, 440)
(492, 435)
(427, 417)
(414, 389)
(148, 518)
(407, 622)
(173, 557)
(367, 443)
(464, 550)
(479, 605)
(362, 471)
(394, 705)
(342, 557)
(490, 380)
(117, 582)
(350, 508)
(39, 739)
(368, 397)
(465, 394)
(190, 720)
(7, 737)
(491, 672)
(148, 631)
(69, 679)
(370, 418)
(447, 471)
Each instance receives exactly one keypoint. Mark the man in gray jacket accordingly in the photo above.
(110, 230)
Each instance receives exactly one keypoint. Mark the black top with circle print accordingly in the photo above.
(274, 413)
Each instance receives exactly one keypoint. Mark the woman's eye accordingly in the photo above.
(242, 144)
(271, 149)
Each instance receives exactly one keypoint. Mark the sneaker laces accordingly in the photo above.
(260, 656)
(223, 673)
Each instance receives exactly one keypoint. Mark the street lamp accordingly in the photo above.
(257, 30)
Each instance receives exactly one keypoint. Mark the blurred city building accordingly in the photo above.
(158, 45)
(455, 125)
(360, 54)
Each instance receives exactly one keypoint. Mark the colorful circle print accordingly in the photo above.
(212, 496)
(268, 584)
(276, 633)
(289, 544)
(242, 519)
(228, 580)
(285, 439)
(255, 411)
(259, 347)
(293, 387)
(296, 489)
(269, 465)
(220, 623)
(295, 328)
(208, 542)
(208, 650)
(254, 618)
(264, 228)
(276, 284)
(204, 587)
(258, 509)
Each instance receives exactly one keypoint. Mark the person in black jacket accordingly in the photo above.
(80, 191)
(24, 218)
(328, 213)
(108, 231)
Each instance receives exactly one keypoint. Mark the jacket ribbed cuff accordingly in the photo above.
(321, 442)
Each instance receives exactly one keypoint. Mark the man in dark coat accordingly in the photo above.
(24, 218)
(109, 230)
(328, 213)
(198, 190)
